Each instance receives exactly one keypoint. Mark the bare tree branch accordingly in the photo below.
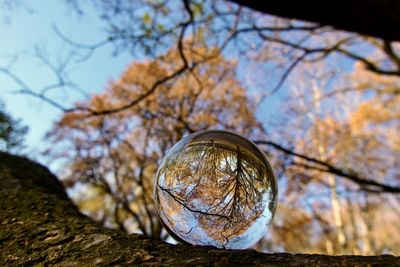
(327, 167)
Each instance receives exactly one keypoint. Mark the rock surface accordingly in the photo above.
(39, 226)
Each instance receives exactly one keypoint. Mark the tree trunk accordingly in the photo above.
(40, 226)
(379, 18)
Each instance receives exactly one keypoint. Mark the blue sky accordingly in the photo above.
(22, 31)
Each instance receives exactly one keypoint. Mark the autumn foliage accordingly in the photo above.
(114, 157)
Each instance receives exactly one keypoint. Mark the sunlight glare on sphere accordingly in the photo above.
(215, 188)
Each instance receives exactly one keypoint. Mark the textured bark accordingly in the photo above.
(379, 18)
(40, 226)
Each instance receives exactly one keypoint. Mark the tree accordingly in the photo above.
(11, 132)
(280, 45)
(342, 216)
(283, 44)
(117, 154)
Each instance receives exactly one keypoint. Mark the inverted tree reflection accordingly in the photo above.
(212, 192)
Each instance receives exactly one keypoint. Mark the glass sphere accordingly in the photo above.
(215, 188)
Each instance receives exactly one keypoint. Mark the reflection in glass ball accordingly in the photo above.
(215, 188)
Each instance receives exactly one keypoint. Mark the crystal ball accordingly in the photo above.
(215, 188)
